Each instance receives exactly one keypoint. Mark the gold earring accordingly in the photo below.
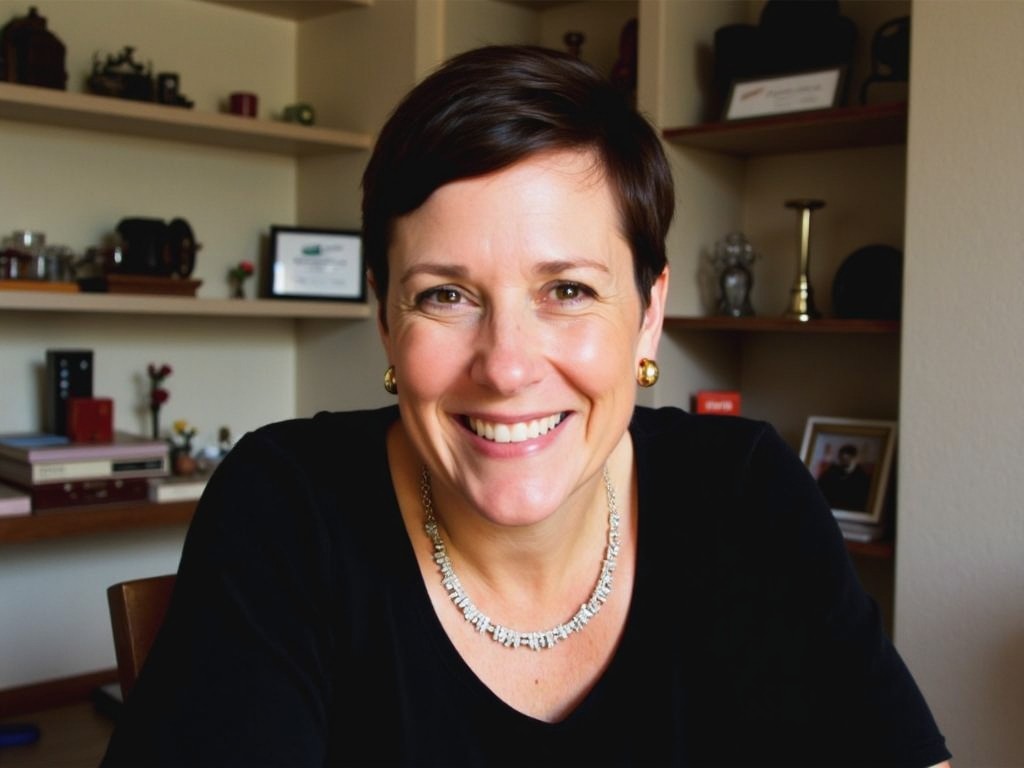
(647, 372)
(390, 382)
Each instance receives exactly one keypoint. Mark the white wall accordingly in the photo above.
(960, 557)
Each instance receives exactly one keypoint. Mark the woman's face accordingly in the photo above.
(515, 328)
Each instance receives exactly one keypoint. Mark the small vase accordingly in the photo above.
(183, 463)
(237, 289)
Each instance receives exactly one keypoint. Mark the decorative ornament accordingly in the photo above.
(237, 276)
(732, 259)
(157, 394)
(512, 638)
(801, 295)
(390, 381)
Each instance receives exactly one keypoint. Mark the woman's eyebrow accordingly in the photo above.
(557, 266)
(436, 269)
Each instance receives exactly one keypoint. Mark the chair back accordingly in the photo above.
(137, 609)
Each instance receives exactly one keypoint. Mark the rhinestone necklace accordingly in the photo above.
(512, 638)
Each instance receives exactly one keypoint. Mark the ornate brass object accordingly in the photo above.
(801, 295)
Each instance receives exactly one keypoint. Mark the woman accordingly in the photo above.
(516, 565)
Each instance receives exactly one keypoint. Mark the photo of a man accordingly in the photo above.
(851, 460)
(845, 482)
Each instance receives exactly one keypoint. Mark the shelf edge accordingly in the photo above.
(140, 304)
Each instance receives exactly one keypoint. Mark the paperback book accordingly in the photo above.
(14, 501)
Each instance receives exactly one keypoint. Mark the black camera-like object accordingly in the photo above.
(153, 247)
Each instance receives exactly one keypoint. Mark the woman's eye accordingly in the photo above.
(443, 296)
(571, 292)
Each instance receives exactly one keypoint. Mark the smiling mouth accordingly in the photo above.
(516, 432)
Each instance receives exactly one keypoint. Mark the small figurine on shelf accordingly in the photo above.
(158, 395)
(182, 460)
(574, 42)
(732, 259)
(237, 276)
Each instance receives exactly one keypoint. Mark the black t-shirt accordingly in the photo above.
(301, 633)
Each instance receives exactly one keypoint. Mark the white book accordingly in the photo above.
(14, 501)
(861, 531)
(177, 488)
(25, 473)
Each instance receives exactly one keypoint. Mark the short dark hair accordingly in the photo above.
(490, 107)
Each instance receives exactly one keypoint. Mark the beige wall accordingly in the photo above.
(960, 558)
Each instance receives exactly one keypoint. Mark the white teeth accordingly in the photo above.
(517, 432)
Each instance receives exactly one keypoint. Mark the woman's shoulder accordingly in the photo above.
(336, 432)
(685, 431)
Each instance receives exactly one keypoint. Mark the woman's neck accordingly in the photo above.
(526, 568)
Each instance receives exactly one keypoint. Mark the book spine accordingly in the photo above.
(160, 491)
(122, 447)
(14, 501)
(23, 473)
(84, 492)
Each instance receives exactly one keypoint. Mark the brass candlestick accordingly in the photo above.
(801, 295)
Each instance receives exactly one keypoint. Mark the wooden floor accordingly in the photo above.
(73, 736)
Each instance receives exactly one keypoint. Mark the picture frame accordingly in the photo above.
(317, 264)
(851, 460)
(785, 94)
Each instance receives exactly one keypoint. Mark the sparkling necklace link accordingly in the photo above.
(512, 638)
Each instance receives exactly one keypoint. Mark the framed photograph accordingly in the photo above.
(316, 264)
(852, 460)
(803, 92)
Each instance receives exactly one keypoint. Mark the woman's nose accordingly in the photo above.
(509, 354)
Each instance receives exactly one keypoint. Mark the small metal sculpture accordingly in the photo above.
(121, 76)
(732, 259)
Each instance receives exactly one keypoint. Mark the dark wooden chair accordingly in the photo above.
(137, 609)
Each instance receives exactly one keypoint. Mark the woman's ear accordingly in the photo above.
(654, 317)
(382, 316)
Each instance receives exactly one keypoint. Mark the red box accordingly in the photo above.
(717, 402)
(90, 419)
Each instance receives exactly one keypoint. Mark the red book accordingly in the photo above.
(78, 493)
(719, 403)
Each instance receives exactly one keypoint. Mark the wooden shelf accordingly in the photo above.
(878, 550)
(64, 109)
(841, 128)
(137, 304)
(79, 521)
(296, 10)
(781, 325)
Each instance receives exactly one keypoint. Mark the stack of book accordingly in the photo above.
(55, 472)
(862, 532)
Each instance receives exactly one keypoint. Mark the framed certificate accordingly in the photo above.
(801, 92)
(316, 264)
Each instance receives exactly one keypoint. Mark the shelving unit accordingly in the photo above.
(782, 325)
(81, 521)
(755, 342)
(840, 128)
(86, 111)
(297, 10)
(136, 304)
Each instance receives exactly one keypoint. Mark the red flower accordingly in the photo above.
(158, 396)
(158, 374)
(241, 270)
